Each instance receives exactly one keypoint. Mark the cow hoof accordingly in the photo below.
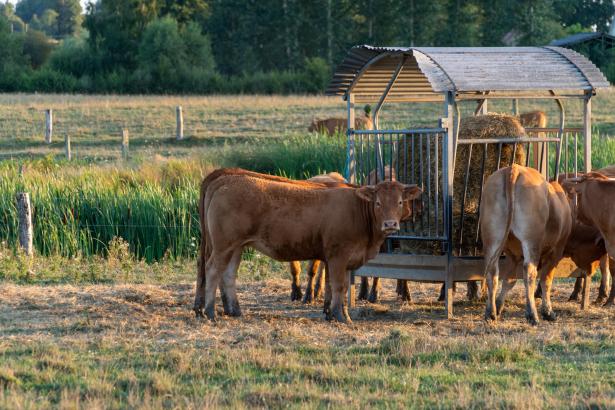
(574, 297)
(600, 300)
(549, 316)
(308, 298)
(499, 308)
(362, 294)
(610, 302)
(199, 312)
(405, 298)
(295, 294)
(210, 312)
(373, 297)
(531, 319)
(441, 297)
(490, 317)
(341, 316)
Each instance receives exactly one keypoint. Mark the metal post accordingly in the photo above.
(515, 106)
(179, 135)
(351, 290)
(48, 125)
(587, 131)
(447, 191)
(558, 155)
(351, 175)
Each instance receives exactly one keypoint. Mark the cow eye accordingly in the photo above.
(400, 202)
(378, 203)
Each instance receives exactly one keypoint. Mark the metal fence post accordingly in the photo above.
(351, 160)
(448, 170)
(69, 154)
(587, 131)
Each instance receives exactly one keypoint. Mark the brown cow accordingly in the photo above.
(315, 269)
(342, 226)
(529, 219)
(331, 126)
(594, 193)
(202, 211)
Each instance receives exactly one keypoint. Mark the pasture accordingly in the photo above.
(101, 322)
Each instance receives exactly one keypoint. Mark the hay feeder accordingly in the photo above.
(452, 158)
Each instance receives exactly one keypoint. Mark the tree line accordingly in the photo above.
(253, 46)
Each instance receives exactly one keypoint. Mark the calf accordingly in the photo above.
(528, 219)
(342, 226)
(593, 193)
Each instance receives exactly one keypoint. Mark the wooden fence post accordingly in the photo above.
(24, 210)
(179, 134)
(48, 125)
(69, 154)
(125, 143)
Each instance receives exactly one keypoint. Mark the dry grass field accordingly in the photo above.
(116, 332)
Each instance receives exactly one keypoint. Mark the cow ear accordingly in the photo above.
(411, 192)
(366, 192)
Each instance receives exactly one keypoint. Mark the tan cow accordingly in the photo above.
(332, 126)
(533, 119)
(529, 219)
(342, 226)
(594, 193)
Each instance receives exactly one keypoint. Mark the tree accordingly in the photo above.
(68, 19)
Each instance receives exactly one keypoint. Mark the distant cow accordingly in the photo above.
(331, 126)
(342, 226)
(533, 119)
(595, 193)
(528, 219)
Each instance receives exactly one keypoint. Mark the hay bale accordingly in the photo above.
(479, 127)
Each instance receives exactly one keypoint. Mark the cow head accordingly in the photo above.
(390, 202)
(575, 188)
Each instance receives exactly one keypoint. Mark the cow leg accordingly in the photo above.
(320, 283)
(328, 297)
(216, 264)
(441, 297)
(295, 274)
(403, 290)
(309, 289)
(473, 293)
(374, 294)
(578, 285)
(546, 309)
(229, 289)
(491, 274)
(604, 280)
(363, 288)
(339, 285)
(199, 298)
(530, 272)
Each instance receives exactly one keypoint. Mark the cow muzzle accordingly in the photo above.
(390, 226)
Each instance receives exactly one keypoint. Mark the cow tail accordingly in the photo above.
(510, 199)
(205, 248)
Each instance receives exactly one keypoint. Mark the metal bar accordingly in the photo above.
(499, 156)
(527, 154)
(421, 179)
(504, 140)
(351, 175)
(562, 120)
(449, 169)
(475, 97)
(437, 183)
(463, 198)
(480, 195)
(553, 129)
(514, 154)
(404, 131)
(391, 159)
(587, 130)
(418, 238)
(576, 154)
(427, 140)
(385, 93)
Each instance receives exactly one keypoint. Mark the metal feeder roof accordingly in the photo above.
(427, 73)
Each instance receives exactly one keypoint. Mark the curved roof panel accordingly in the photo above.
(427, 72)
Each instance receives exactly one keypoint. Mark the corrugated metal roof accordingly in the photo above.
(428, 72)
(582, 38)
